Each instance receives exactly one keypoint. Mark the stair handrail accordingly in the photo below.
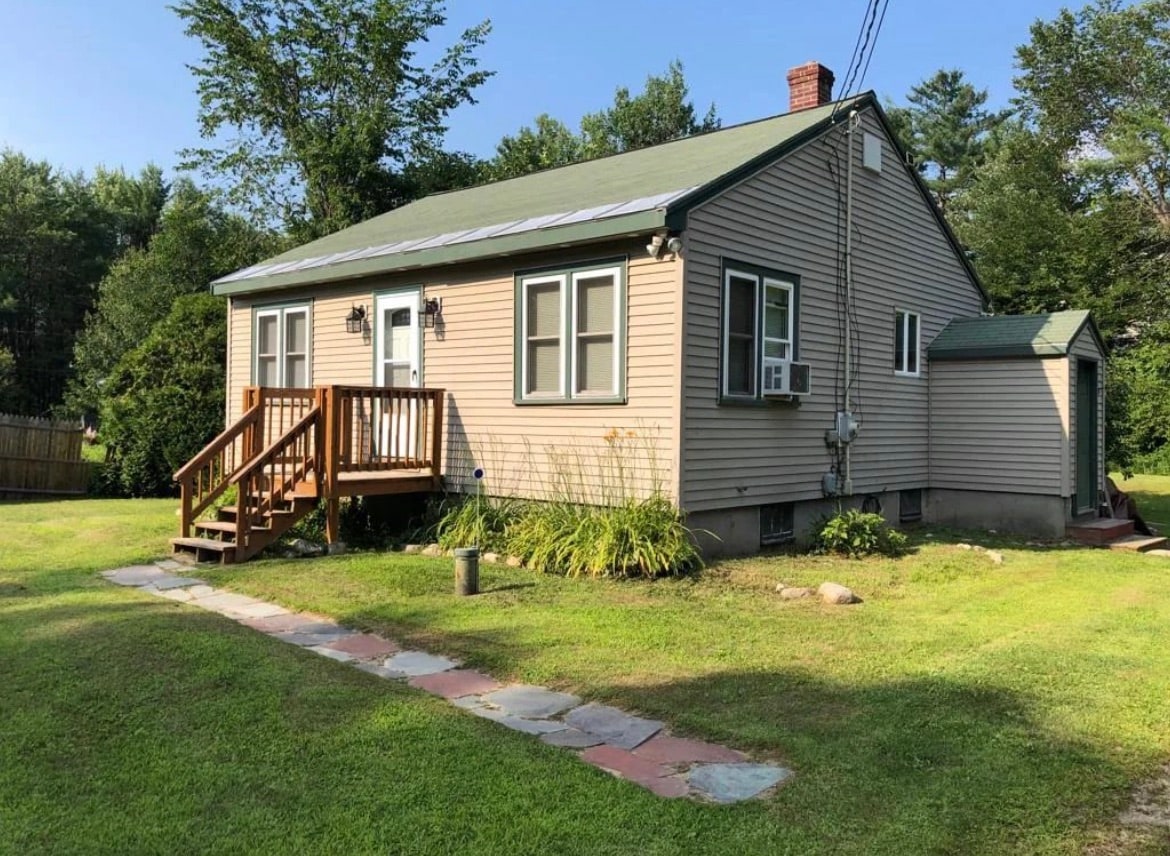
(194, 496)
(244, 476)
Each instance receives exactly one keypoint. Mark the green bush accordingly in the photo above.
(475, 521)
(1156, 463)
(638, 538)
(856, 533)
(165, 399)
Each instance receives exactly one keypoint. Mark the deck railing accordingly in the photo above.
(352, 429)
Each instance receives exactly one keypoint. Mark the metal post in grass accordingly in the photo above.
(467, 558)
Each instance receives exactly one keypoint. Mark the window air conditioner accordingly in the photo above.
(785, 378)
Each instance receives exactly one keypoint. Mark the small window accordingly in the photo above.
(910, 505)
(907, 343)
(569, 335)
(282, 347)
(759, 324)
(777, 523)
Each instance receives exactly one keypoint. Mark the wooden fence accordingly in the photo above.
(40, 457)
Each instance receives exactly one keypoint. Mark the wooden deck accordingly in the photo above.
(295, 447)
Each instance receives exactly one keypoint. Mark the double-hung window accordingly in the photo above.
(759, 324)
(281, 346)
(907, 343)
(569, 335)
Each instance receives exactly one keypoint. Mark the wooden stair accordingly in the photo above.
(217, 540)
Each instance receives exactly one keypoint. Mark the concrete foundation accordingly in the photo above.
(1031, 514)
(736, 531)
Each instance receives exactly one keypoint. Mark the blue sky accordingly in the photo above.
(85, 83)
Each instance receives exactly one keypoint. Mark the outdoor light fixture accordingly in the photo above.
(432, 308)
(355, 320)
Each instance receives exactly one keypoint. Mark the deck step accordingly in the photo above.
(216, 526)
(205, 549)
(1100, 532)
(1138, 543)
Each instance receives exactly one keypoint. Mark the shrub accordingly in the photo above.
(643, 538)
(165, 399)
(475, 521)
(1156, 463)
(857, 533)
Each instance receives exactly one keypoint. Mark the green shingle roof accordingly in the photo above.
(1045, 335)
(658, 181)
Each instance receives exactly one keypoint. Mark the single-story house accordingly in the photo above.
(757, 321)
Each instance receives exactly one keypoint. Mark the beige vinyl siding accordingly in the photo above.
(470, 355)
(1085, 347)
(999, 425)
(785, 218)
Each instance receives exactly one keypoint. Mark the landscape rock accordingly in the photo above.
(781, 586)
(837, 594)
(996, 557)
(337, 548)
(304, 548)
(964, 546)
(795, 592)
(412, 548)
(515, 562)
(432, 550)
(725, 783)
(490, 558)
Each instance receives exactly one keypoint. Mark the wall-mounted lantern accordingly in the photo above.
(355, 320)
(432, 309)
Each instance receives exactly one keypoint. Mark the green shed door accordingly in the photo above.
(1086, 435)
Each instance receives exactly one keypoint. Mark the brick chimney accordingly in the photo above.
(809, 85)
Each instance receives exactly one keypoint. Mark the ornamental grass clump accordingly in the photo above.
(607, 515)
(476, 521)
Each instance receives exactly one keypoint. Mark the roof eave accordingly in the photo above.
(1004, 353)
(507, 245)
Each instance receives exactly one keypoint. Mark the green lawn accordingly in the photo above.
(965, 707)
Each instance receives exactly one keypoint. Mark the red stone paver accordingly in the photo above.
(668, 786)
(664, 749)
(625, 763)
(456, 683)
(364, 646)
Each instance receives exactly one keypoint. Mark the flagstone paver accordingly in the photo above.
(285, 623)
(455, 683)
(727, 783)
(414, 663)
(135, 575)
(363, 646)
(636, 749)
(518, 723)
(531, 702)
(571, 738)
(614, 726)
(623, 762)
(257, 610)
(325, 651)
(167, 582)
(666, 749)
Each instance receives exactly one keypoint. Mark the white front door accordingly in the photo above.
(398, 363)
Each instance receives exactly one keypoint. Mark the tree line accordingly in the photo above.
(317, 114)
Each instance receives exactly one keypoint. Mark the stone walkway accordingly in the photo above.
(630, 747)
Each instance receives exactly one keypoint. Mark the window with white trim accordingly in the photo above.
(569, 335)
(907, 343)
(281, 347)
(759, 323)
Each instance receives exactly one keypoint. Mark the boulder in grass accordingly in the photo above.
(301, 547)
(412, 548)
(432, 550)
(995, 557)
(795, 592)
(837, 594)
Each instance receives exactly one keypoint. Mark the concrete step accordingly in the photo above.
(1138, 543)
(1101, 531)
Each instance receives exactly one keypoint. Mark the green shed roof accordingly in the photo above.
(631, 193)
(1045, 335)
